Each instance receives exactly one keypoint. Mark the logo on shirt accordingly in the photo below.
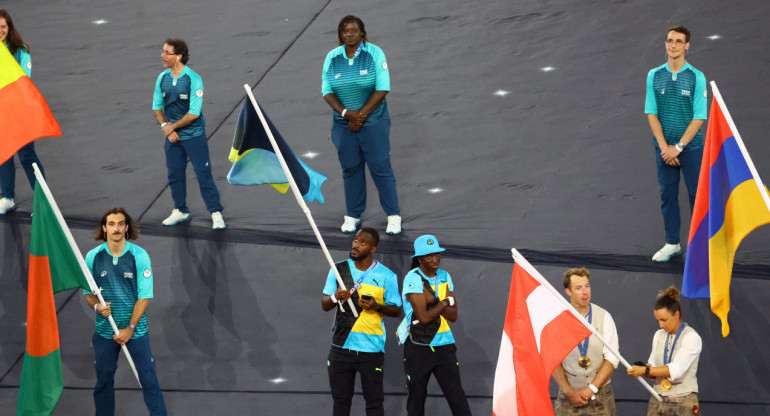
(29, 65)
(184, 96)
(384, 65)
(128, 275)
(337, 76)
(364, 72)
(663, 91)
(147, 273)
(164, 95)
(686, 93)
(199, 93)
(705, 94)
(103, 273)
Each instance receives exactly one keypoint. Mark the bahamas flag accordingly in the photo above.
(731, 202)
(24, 114)
(255, 161)
(53, 267)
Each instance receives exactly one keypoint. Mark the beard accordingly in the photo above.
(359, 257)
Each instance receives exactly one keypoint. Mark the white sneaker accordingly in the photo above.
(394, 224)
(176, 217)
(217, 222)
(350, 224)
(668, 251)
(6, 205)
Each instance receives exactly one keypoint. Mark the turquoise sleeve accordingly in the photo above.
(196, 95)
(699, 111)
(157, 97)
(144, 275)
(650, 105)
(382, 78)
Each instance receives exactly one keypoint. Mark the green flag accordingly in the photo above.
(53, 267)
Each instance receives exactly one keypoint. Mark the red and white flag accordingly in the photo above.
(539, 332)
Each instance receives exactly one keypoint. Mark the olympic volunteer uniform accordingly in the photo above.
(358, 344)
(677, 99)
(353, 81)
(123, 280)
(579, 377)
(27, 155)
(177, 97)
(682, 369)
(430, 348)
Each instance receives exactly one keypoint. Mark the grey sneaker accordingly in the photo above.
(217, 222)
(176, 217)
(6, 205)
(350, 225)
(668, 251)
(394, 224)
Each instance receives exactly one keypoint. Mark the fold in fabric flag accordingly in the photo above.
(24, 114)
(538, 333)
(728, 206)
(53, 267)
(255, 161)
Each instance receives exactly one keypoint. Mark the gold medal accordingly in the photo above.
(584, 361)
(666, 385)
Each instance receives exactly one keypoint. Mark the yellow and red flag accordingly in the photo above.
(24, 114)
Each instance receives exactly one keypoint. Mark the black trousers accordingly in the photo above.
(419, 363)
(343, 366)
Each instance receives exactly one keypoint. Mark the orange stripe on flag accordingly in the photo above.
(42, 328)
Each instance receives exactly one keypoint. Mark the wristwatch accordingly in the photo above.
(132, 326)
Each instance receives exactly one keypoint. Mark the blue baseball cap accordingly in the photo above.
(426, 244)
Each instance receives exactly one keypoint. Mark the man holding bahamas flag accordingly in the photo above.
(731, 202)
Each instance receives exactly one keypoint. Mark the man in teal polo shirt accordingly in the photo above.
(676, 107)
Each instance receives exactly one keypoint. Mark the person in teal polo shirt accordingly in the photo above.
(11, 37)
(177, 106)
(676, 107)
(430, 348)
(354, 83)
(124, 273)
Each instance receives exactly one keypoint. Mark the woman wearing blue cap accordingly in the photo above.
(430, 347)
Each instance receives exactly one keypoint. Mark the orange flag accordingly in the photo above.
(24, 114)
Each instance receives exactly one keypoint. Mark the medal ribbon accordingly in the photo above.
(360, 279)
(583, 346)
(666, 355)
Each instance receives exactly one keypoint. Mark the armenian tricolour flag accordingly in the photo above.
(24, 114)
(255, 161)
(731, 202)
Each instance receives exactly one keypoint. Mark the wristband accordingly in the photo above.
(593, 388)
(343, 112)
(646, 370)
(132, 326)
(334, 298)
(96, 305)
(679, 146)
(163, 124)
(451, 300)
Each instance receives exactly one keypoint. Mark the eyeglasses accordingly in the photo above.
(167, 53)
(677, 42)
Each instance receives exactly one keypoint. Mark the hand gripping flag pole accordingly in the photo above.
(518, 258)
(91, 283)
(298, 196)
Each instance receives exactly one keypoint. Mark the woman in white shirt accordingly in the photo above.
(674, 359)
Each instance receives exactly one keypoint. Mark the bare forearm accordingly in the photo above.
(691, 131)
(139, 307)
(373, 102)
(657, 130)
(603, 374)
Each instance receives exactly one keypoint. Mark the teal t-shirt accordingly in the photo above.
(677, 99)
(354, 80)
(25, 61)
(123, 280)
(368, 332)
(441, 285)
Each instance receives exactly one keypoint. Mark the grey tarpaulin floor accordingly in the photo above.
(560, 167)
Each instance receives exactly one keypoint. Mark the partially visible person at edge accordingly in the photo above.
(177, 105)
(676, 107)
(584, 375)
(358, 344)
(10, 36)
(673, 362)
(429, 347)
(123, 271)
(354, 83)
